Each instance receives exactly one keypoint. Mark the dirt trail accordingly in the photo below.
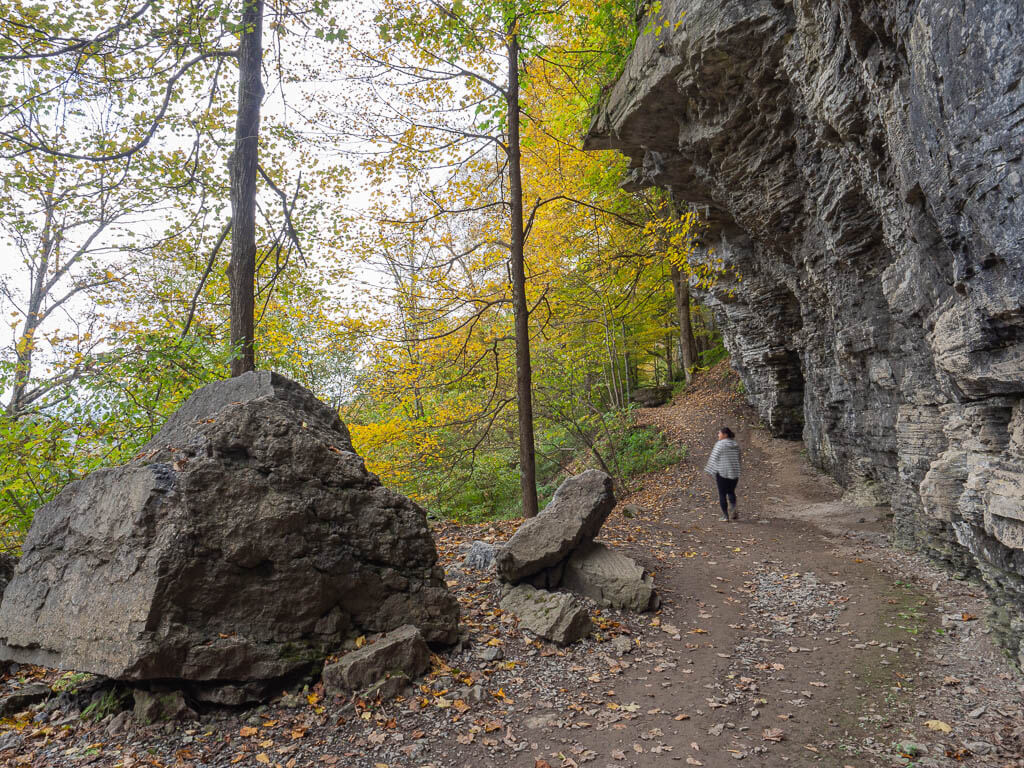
(792, 637)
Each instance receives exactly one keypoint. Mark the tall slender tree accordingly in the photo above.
(461, 67)
(244, 171)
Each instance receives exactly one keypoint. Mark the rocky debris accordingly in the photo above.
(23, 698)
(557, 617)
(828, 145)
(242, 545)
(610, 578)
(574, 516)
(479, 555)
(157, 706)
(556, 549)
(651, 397)
(385, 667)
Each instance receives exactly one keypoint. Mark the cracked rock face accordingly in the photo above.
(245, 542)
(860, 163)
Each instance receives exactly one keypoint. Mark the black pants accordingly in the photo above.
(726, 489)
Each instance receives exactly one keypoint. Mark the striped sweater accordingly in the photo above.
(724, 460)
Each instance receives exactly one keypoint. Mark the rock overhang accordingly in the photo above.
(863, 170)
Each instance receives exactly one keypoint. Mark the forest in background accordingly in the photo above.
(346, 180)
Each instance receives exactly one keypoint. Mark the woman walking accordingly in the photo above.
(724, 466)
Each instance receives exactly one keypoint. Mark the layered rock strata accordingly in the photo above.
(245, 543)
(860, 164)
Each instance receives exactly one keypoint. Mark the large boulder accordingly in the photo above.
(609, 577)
(574, 516)
(243, 544)
(555, 616)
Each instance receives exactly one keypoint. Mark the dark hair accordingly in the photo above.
(727, 432)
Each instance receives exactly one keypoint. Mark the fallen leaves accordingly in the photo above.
(772, 734)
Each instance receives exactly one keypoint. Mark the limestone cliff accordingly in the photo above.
(861, 165)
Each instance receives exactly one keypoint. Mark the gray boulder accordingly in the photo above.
(243, 544)
(479, 555)
(608, 577)
(574, 516)
(555, 616)
(651, 397)
(386, 666)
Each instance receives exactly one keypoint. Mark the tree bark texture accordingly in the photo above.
(244, 168)
(521, 310)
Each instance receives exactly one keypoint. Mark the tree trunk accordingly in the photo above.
(26, 343)
(687, 343)
(668, 358)
(524, 396)
(244, 165)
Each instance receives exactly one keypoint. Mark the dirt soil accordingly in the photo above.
(794, 636)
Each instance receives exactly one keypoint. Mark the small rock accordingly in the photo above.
(118, 723)
(631, 510)
(557, 617)
(479, 555)
(154, 706)
(400, 652)
(23, 698)
(974, 714)
(979, 747)
(488, 653)
(622, 644)
(547, 720)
